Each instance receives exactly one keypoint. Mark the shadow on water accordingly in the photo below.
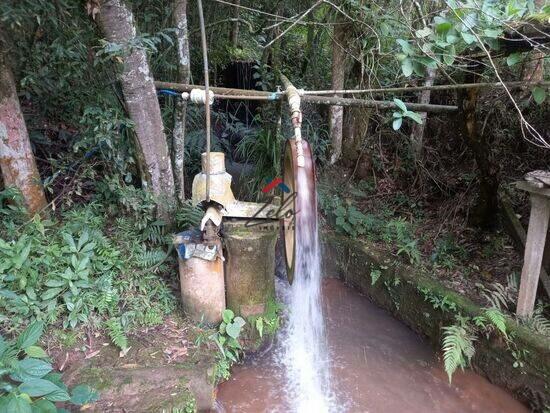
(377, 365)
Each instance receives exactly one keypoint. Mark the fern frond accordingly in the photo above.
(539, 322)
(458, 348)
(116, 333)
(496, 318)
(150, 258)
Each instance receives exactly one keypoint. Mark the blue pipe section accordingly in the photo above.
(168, 92)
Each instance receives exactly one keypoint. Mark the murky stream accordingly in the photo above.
(377, 365)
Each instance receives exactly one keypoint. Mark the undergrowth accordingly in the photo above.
(78, 269)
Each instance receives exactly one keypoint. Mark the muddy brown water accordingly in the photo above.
(377, 365)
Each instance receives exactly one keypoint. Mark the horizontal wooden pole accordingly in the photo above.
(379, 104)
(244, 94)
(509, 85)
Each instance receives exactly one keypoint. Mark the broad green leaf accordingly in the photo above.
(34, 367)
(43, 406)
(422, 33)
(468, 37)
(539, 94)
(227, 316)
(31, 334)
(54, 283)
(70, 241)
(414, 116)
(397, 123)
(406, 47)
(233, 330)
(492, 33)
(18, 405)
(58, 396)
(83, 394)
(51, 293)
(443, 27)
(36, 352)
(37, 387)
(513, 59)
(400, 104)
(407, 67)
(239, 321)
(449, 56)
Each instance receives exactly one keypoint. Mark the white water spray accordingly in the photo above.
(305, 353)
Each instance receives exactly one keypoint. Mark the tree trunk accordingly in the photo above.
(338, 80)
(234, 35)
(184, 74)
(417, 132)
(485, 209)
(117, 23)
(16, 158)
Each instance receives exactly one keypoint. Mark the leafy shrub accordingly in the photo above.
(447, 252)
(73, 271)
(226, 339)
(27, 380)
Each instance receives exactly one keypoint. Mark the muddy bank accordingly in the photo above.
(402, 290)
(163, 370)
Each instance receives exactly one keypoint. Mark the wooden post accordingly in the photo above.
(534, 251)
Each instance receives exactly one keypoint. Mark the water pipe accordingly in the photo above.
(293, 96)
(206, 93)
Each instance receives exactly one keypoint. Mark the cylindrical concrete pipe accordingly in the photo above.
(201, 280)
(250, 264)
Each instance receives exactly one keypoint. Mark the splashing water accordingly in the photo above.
(305, 353)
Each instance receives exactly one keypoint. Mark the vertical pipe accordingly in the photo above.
(207, 97)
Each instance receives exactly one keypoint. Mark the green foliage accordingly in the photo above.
(403, 113)
(375, 275)
(459, 28)
(438, 301)
(270, 321)
(458, 339)
(70, 272)
(27, 382)
(227, 341)
(501, 296)
(116, 333)
(264, 150)
(458, 346)
(538, 322)
(447, 253)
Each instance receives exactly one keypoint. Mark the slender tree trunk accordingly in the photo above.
(117, 23)
(234, 35)
(338, 81)
(417, 132)
(484, 211)
(16, 158)
(184, 74)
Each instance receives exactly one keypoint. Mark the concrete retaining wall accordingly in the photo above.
(402, 290)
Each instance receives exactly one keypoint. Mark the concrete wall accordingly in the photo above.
(353, 262)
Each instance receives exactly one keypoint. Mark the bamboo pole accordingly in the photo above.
(244, 94)
(378, 104)
(433, 87)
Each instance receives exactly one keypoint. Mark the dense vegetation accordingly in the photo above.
(97, 255)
